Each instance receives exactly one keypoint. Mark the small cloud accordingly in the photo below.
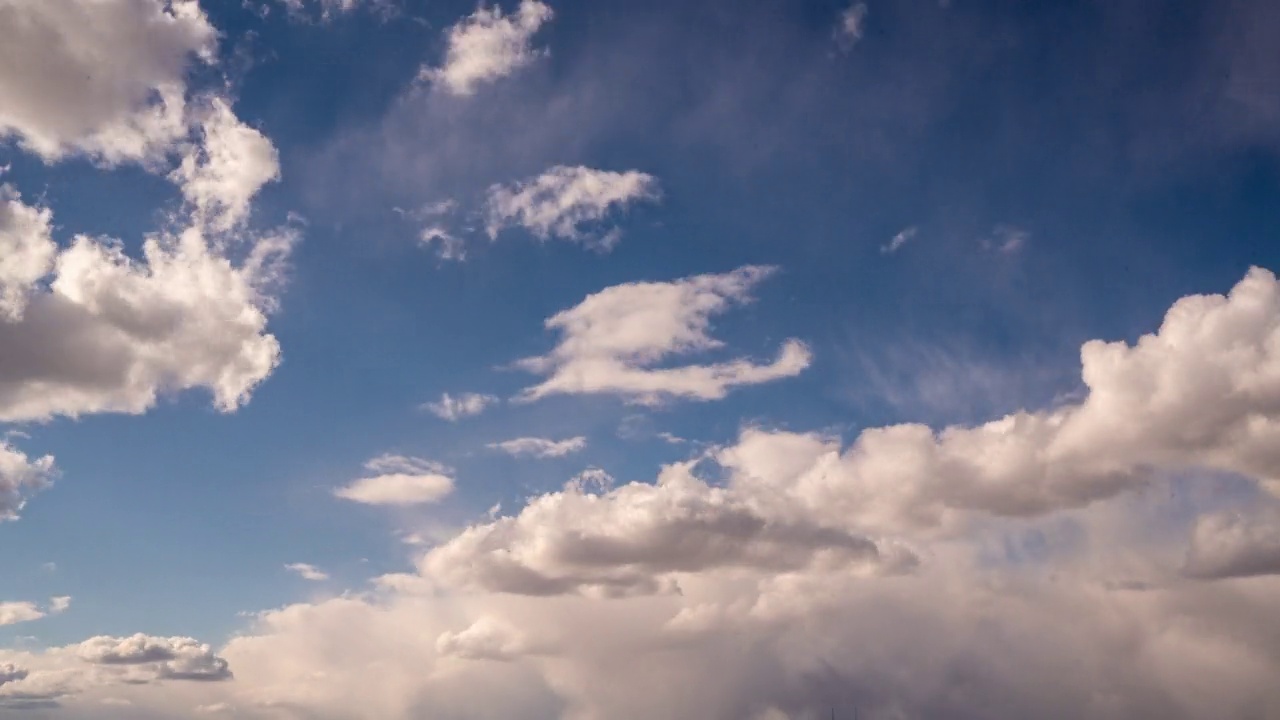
(1006, 239)
(540, 447)
(453, 408)
(851, 26)
(488, 45)
(593, 478)
(400, 480)
(672, 439)
(561, 201)
(59, 604)
(307, 571)
(899, 240)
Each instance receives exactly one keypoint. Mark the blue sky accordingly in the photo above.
(771, 232)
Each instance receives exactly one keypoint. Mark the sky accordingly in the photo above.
(556, 359)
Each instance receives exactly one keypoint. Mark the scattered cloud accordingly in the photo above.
(902, 238)
(173, 658)
(59, 604)
(557, 203)
(100, 79)
(610, 341)
(20, 477)
(19, 612)
(27, 251)
(540, 447)
(488, 45)
(399, 480)
(221, 174)
(464, 405)
(852, 21)
(1006, 239)
(307, 572)
(448, 246)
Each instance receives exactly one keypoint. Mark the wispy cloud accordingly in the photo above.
(465, 405)
(488, 45)
(540, 447)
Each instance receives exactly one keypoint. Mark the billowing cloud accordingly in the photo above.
(1235, 544)
(177, 658)
(307, 571)
(18, 612)
(106, 332)
(485, 639)
(610, 341)
(20, 476)
(540, 447)
(561, 200)
(452, 408)
(399, 480)
(488, 45)
(100, 78)
(222, 173)
(27, 251)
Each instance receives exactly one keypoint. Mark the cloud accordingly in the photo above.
(1006, 239)
(307, 572)
(10, 673)
(448, 246)
(561, 200)
(899, 240)
(610, 341)
(101, 79)
(638, 538)
(1233, 544)
(850, 29)
(19, 612)
(400, 481)
(485, 639)
(27, 251)
(464, 405)
(540, 447)
(20, 476)
(106, 332)
(174, 658)
(220, 175)
(488, 45)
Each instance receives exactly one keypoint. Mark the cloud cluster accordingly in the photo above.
(560, 201)
(488, 45)
(1235, 544)
(540, 447)
(222, 173)
(102, 79)
(399, 480)
(20, 476)
(610, 342)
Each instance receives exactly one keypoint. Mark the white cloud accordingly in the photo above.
(488, 45)
(107, 332)
(307, 572)
(101, 78)
(20, 476)
(540, 447)
(59, 604)
(610, 341)
(850, 29)
(1234, 544)
(399, 480)
(899, 240)
(18, 612)
(448, 246)
(464, 405)
(561, 200)
(485, 639)
(174, 658)
(221, 174)
(27, 251)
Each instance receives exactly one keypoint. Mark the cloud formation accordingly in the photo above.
(20, 476)
(1235, 544)
(102, 79)
(222, 173)
(399, 480)
(488, 45)
(540, 447)
(560, 201)
(452, 408)
(610, 342)
(307, 571)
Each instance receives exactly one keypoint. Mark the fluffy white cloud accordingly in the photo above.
(488, 45)
(1235, 544)
(610, 341)
(105, 78)
(307, 571)
(26, 251)
(540, 447)
(399, 480)
(20, 476)
(561, 200)
(176, 658)
(485, 639)
(17, 612)
(464, 405)
(222, 173)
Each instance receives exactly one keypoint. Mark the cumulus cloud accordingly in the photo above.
(464, 405)
(561, 200)
(399, 480)
(540, 447)
(27, 251)
(20, 476)
(18, 612)
(307, 571)
(222, 173)
(488, 45)
(1235, 544)
(485, 639)
(175, 658)
(103, 79)
(610, 341)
